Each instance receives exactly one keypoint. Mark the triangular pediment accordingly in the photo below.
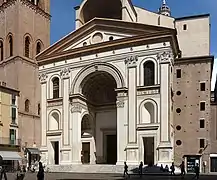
(98, 32)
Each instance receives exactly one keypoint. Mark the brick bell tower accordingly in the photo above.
(24, 32)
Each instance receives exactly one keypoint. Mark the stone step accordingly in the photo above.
(105, 169)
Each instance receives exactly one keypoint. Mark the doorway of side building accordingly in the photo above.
(213, 164)
(148, 143)
(111, 149)
(55, 145)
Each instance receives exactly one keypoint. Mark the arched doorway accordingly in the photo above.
(99, 90)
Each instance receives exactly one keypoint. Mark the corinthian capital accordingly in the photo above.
(65, 73)
(131, 61)
(76, 108)
(165, 57)
(43, 77)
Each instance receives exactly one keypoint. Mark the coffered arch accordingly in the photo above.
(105, 67)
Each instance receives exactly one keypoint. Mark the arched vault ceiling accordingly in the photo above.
(99, 88)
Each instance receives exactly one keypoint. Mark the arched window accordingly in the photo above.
(38, 48)
(27, 103)
(149, 73)
(10, 40)
(1, 51)
(56, 88)
(27, 44)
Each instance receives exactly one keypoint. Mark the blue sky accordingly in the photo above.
(63, 16)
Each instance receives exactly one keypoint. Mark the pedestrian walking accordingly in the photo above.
(197, 171)
(172, 168)
(140, 168)
(125, 169)
(40, 174)
(182, 166)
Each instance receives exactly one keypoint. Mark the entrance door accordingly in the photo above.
(214, 164)
(111, 149)
(148, 143)
(56, 152)
(85, 153)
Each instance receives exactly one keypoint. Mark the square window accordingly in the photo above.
(202, 123)
(202, 86)
(178, 73)
(185, 27)
(202, 106)
(202, 143)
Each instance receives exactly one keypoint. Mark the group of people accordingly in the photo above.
(166, 169)
(40, 174)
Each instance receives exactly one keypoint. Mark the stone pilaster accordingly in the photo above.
(122, 109)
(165, 147)
(43, 81)
(132, 147)
(65, 75)
(75, 127)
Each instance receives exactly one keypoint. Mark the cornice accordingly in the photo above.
(7, 4)
(27, 3)
(18, 58)
(107, 59)
(37, 9)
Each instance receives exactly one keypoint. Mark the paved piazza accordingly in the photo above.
(70, 176)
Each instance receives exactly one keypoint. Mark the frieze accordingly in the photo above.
(37, 9)
(76, 108)
(165, 57)
(147, 92)
(131, 61)
(55, 103)
(65, 73)
(120, 104)
(43, 77)
(6, 5)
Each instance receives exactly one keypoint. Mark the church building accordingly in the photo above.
(127, 85)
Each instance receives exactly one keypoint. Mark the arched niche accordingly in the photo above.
(54, 121)
(148, 112)
(111, 9)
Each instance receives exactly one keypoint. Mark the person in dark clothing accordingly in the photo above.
(140, 168)
(40, 174)
(125, 169)
(172, 168)
(182, 166)
(3, 173)
(197, 171)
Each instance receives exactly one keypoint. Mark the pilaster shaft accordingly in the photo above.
(65, 76)
(131, 63)
(76, 110)
(43, 81)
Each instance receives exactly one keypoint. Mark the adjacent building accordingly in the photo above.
(10, 144)
(24, 32)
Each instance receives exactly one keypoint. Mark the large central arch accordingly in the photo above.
(98, 84)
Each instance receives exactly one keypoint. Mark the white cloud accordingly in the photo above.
(214, 72)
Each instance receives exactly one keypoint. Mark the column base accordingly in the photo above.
(120, 163)
(132, 152)
(165, 151)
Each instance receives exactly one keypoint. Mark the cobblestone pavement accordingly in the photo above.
(74, 176)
